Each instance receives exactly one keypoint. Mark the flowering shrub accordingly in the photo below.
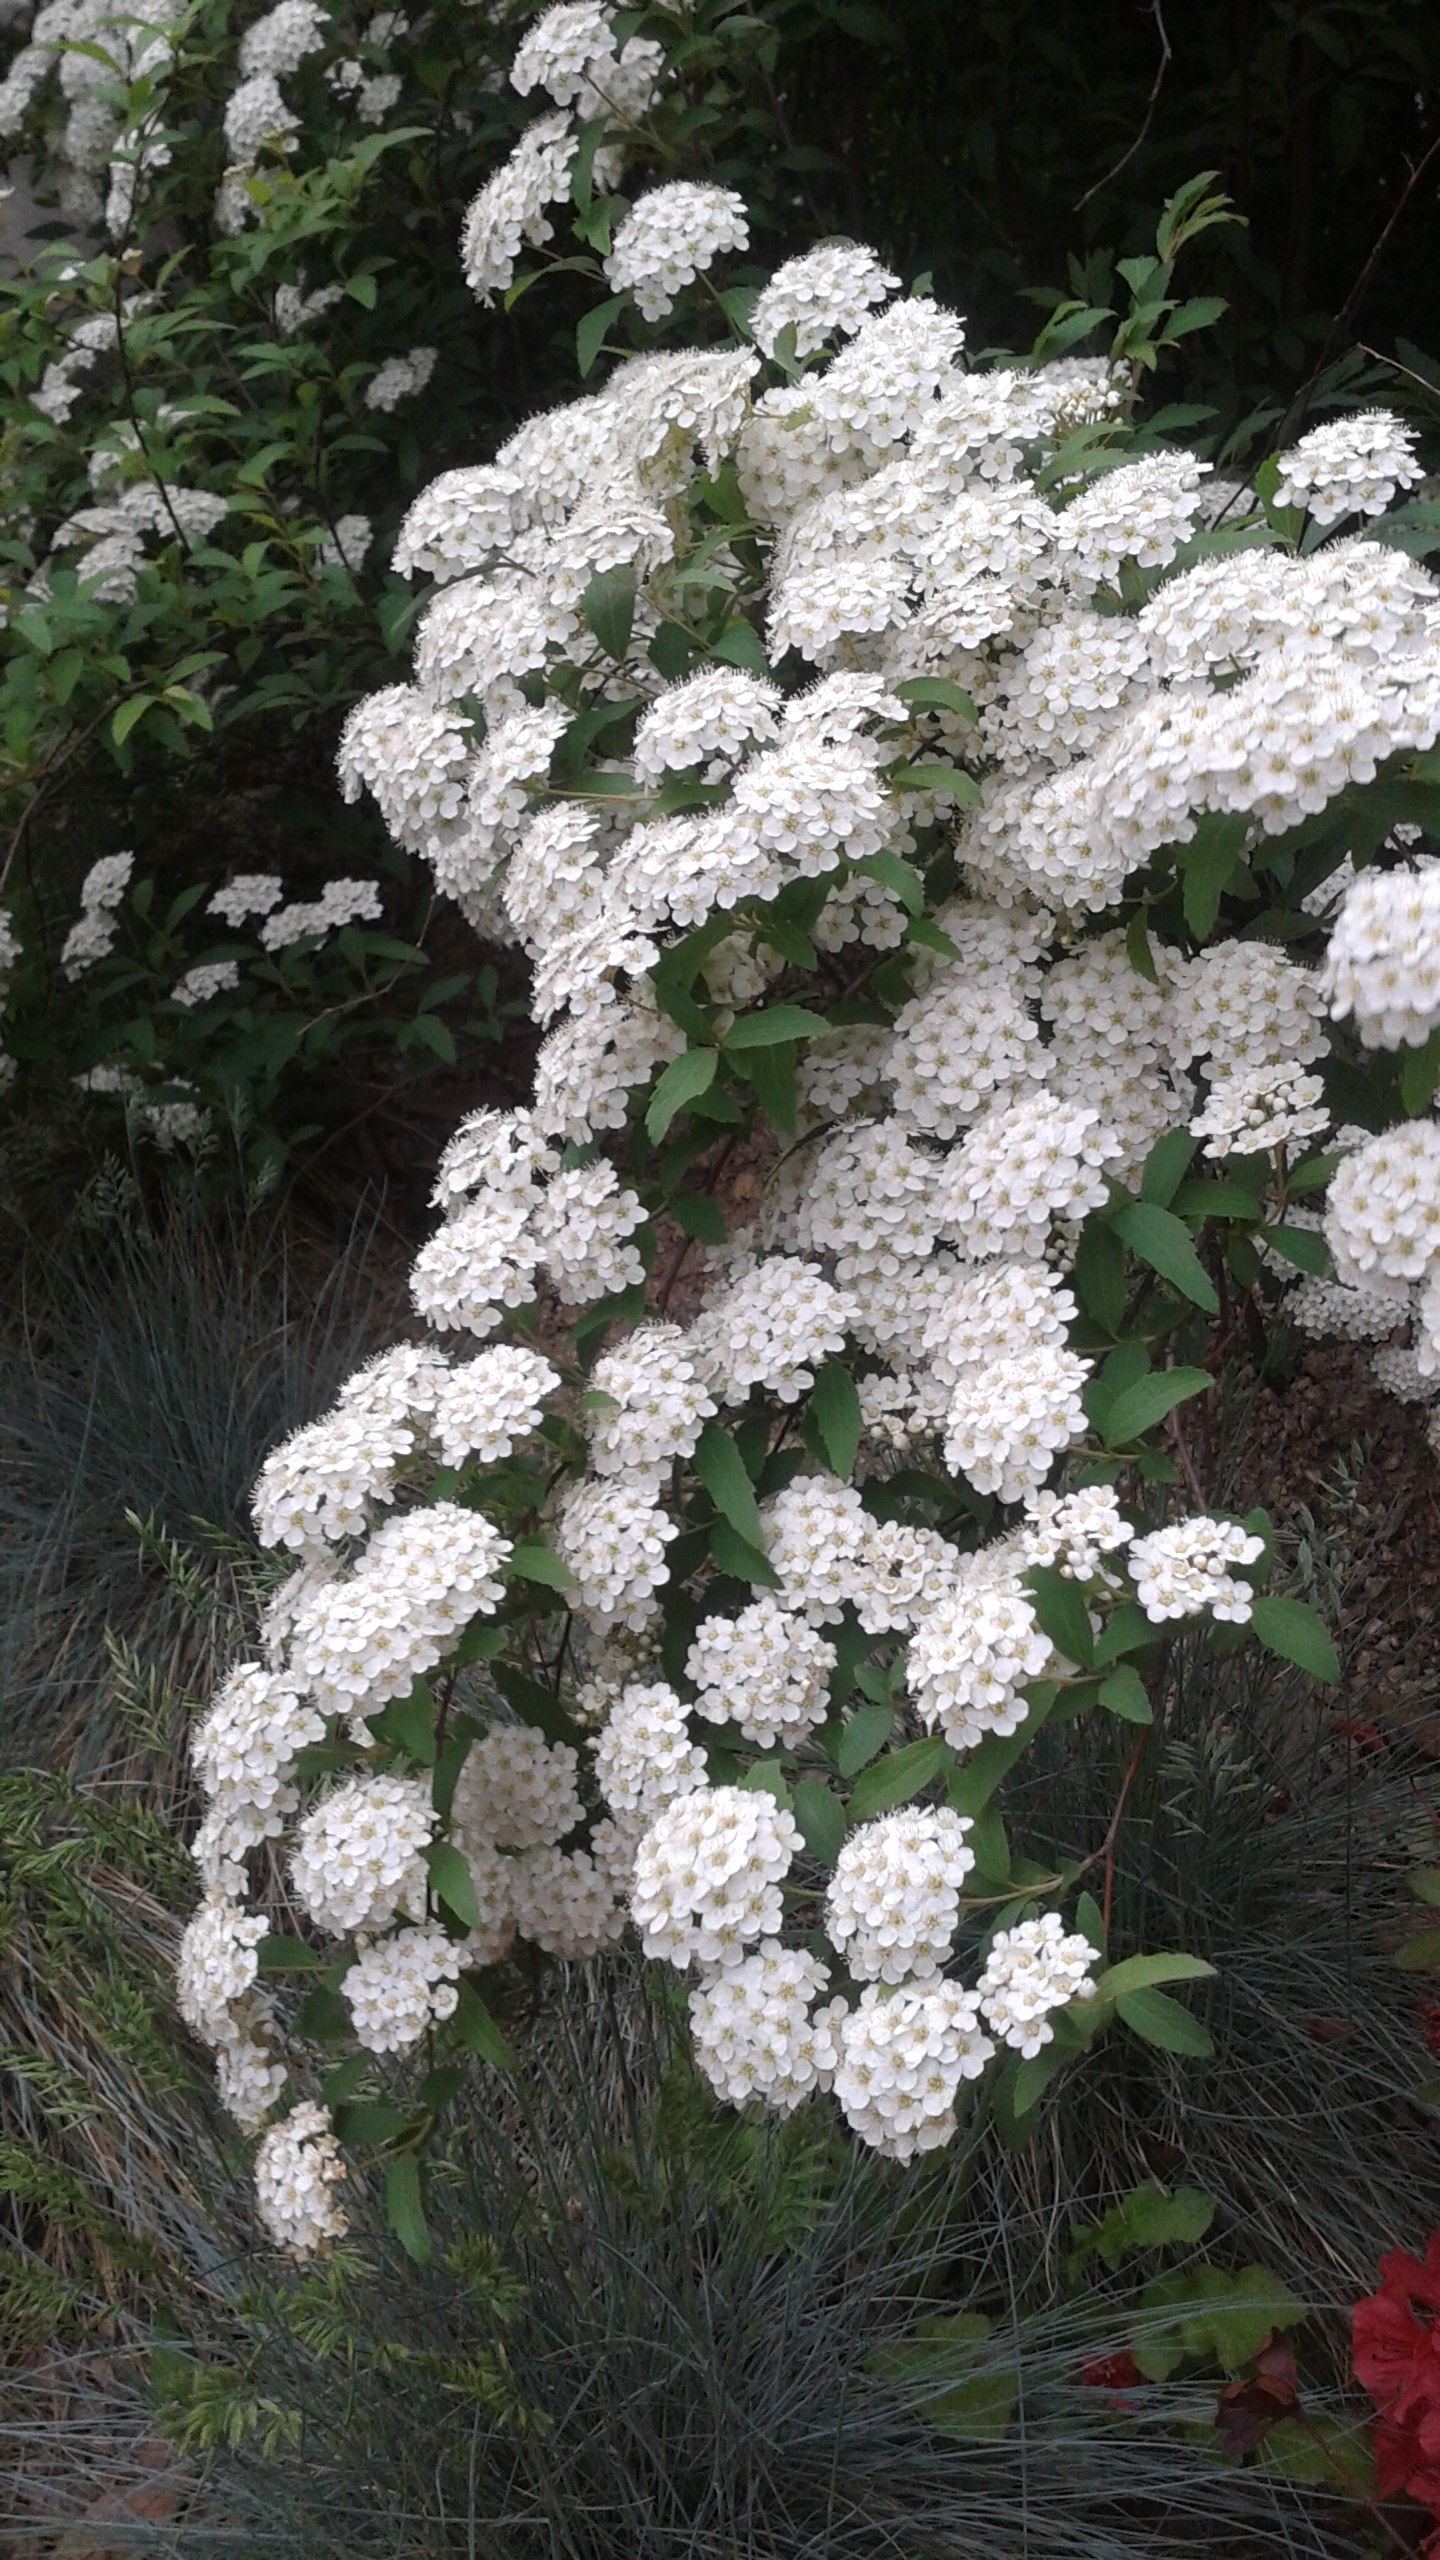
(218, 392)
(925, 787)
(200, 1013)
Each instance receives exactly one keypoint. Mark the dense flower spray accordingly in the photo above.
(863, 785)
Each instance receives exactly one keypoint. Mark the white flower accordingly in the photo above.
(218, 1965)
(1006, 1424)
(669, 237)
(397, 1987)
(648, 1404)
(970, 1658)
(487, 1405)
(297, 2168)
(358, 1857)
(210, 978)
(1182, 1569)
(613, 1537)
(1384, 960)
(773, 1327)
(565, 1903)
(893, 1905)
(708, 1875)
(1382, 1216)
(1350, 466)
(401, 378)
(1030, 1970)
(1249, 1111)
(826, 293)
(903, 2056)
(759, 2032)
(516, 1790)
(766, 1672)
(250, 893)
(644, 1754)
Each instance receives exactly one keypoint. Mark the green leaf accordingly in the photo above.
(820, 1817)
(1299, 1245)
(478, 2032)
(1141, 1973)
(1124, 1695)
(1138, 1408)
(739, 1555)
(533, 1704)
(1419, 1076)
(608, 606)
(1161, 2021)
(1061, 1613)
(836, 1408)
(536, 1563)
(361, 289)
(404, 2209)
(590, 330)
(1164, 1242)
(1222, 2316)
(1100, 1275)
(949, 778)
(1166, 1166)
(1424, 1884)
(1223, 1199)
(935, 693)
(684, 1078)
(866, 1732)
(896, 1778)
(970, 1787)
(1148, 2218)
(127, 714)
(739, 646)
(772, 1073)
(899, 877)
(723, 1473)
(1137, 947)
(1420, 1954)
(287, 1955)
(450, 1879)
(409, 1723)
(695, 1214)
(782, 1022)
(1294, 1630)
(1208, 861)
(1128, 1631)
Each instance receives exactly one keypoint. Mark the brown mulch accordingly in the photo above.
(1334, 1444)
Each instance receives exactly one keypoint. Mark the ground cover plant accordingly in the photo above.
(967, 845)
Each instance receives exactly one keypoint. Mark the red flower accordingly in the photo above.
(1429, 2019)
(1396, 2349)
(1119, 2372)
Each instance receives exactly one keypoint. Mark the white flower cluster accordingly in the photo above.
(1183, 1569)
(1350, 467)
(708, 1874)
(906, 1271)
(1031, 1970)
(670, 237)
(903, 2058)
(1383, 965)
(894, 1905)
(92, 937)
(759, 2032)
(765, 1672)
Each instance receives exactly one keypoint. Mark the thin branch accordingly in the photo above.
(1356, 294)
(1113, 1834)
(1166, 58)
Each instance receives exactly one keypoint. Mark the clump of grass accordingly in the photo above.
(145, 1375)
(652, 2329)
